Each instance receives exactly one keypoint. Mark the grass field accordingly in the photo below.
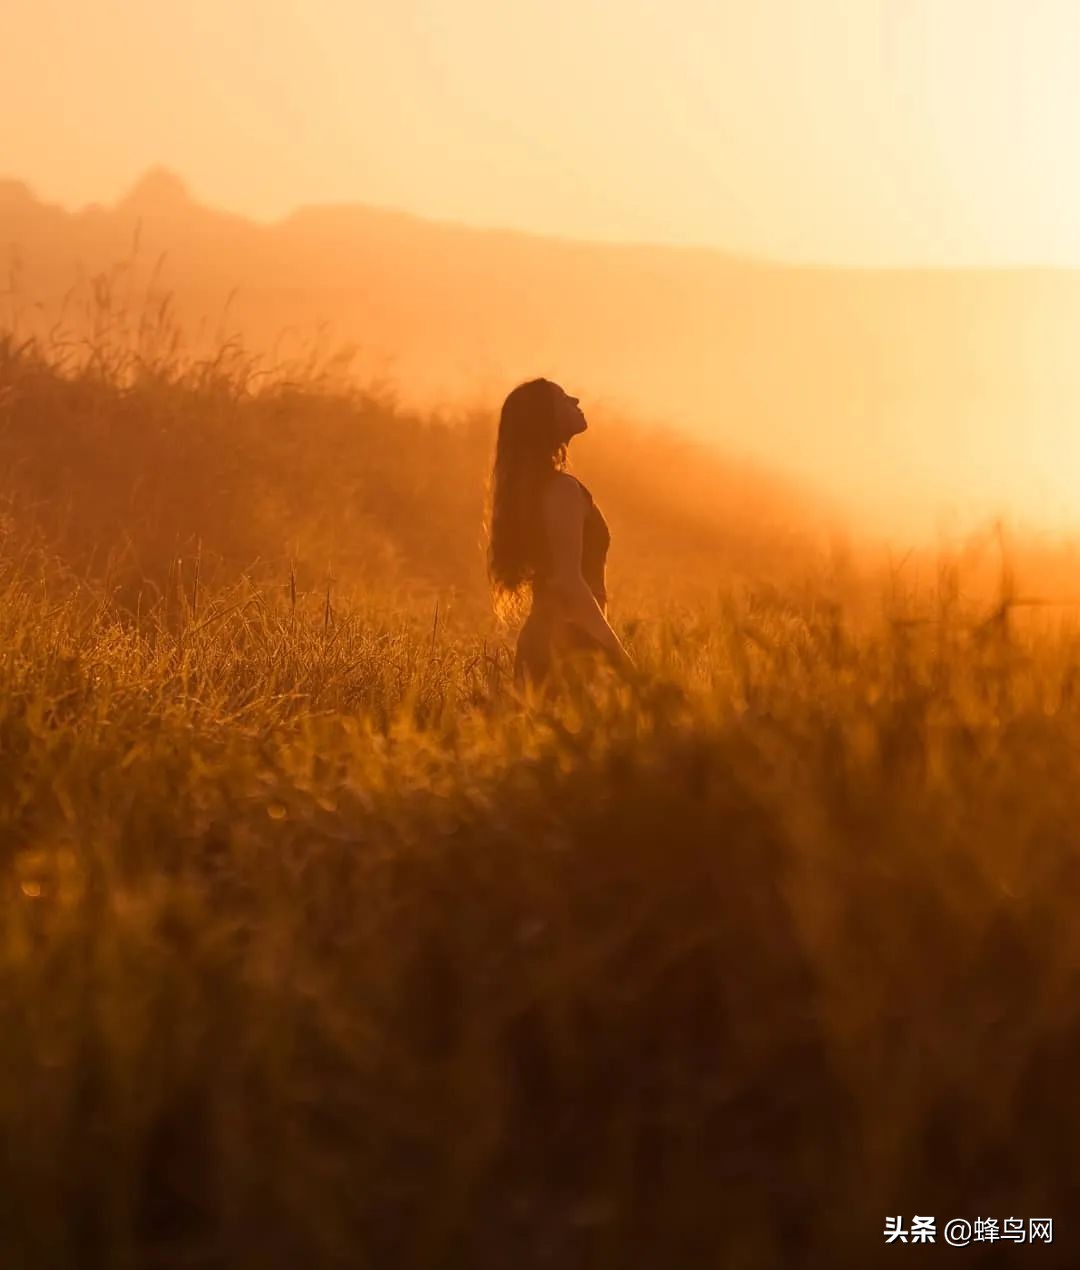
(321, 947)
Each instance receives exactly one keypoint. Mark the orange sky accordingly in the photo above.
(863, 131)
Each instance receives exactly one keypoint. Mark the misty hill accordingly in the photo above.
(118, 477)
(891, 388)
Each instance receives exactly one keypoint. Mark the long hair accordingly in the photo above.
(527, 451)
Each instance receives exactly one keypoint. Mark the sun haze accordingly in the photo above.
(884, 132)
(664, 165)
(443, 827)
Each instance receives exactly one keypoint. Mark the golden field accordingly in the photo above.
(321, 947)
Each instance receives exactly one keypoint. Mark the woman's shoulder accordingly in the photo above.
(570, 482)
(565, 485)
(564, 493)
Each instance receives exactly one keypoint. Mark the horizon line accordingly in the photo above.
(160, 173)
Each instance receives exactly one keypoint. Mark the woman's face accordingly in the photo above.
(569, 417)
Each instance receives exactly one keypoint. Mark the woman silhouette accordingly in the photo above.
(546, 532)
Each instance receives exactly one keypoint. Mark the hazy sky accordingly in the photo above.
(864, 131)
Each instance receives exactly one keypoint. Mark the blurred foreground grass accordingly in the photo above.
(319, 947)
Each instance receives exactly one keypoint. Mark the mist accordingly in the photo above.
(918, 401)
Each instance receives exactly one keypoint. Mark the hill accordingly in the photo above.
(124, 466)
(899, 391)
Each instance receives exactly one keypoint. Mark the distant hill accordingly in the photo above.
(897, 389)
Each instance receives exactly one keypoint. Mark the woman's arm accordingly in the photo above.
(564, 519)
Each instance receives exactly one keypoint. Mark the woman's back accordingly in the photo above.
(549, 630)
(595, 541)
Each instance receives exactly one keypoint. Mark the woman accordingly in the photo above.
(545, 532)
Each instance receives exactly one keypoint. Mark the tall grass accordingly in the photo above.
(323, 947)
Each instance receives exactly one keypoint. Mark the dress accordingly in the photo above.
(546, 634)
